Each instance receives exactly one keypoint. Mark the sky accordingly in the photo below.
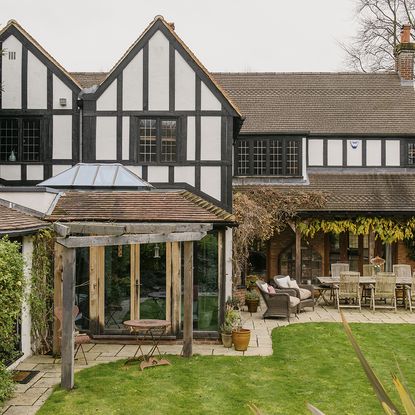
(226, 35)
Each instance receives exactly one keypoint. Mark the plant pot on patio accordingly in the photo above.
(226, 340)
(252, 301)
(240, 338)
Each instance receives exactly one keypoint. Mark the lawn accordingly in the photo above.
(311, 363)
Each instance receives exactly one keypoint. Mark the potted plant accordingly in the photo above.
(252, 300)
(232, 318)
(240, 338)
(226, 334)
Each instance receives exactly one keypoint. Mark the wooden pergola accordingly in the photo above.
(74, 235)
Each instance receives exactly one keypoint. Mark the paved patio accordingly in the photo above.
(30, 397)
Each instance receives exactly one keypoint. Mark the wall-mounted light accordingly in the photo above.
(157, 251)
(62, 102)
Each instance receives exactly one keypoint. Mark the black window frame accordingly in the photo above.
(158, 158)
(405, 161)
(284, 140)
(20, 136)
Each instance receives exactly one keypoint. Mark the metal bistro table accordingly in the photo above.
(155, 330)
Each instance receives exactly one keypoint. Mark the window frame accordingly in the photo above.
(405, 162)
(268, 139)
(20, 145)
(158, 155)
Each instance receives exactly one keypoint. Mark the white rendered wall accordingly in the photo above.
(210, 141)
(208, 100)
(354, 155)
(136, 170)
(185, 84)
(34, 172)
(373, 152)
(36, 83)
(62, 137)
(11, 74)
(106, 142)
(132, 84)
(108, 100)
(125, 138)
(158, 174)
(10, 171)
(158, 72)
(59, 168)
(210, 181)
(228, 262)
(393, 152)
(191, 138)
(334, 152)
(27, 250)
(39, 201)
(184, 174)
(315, 152)
(304, 157)
(60, 90)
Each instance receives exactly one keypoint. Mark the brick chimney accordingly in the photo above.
(404, 55)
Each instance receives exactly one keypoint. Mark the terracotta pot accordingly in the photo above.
(226, 339)
(252, 305)
(241, 339)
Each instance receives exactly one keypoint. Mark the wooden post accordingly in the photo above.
(388, 254)
(371, 244)
(68, 301)
(326, 258)
(176, 286)
(135, 281)
(168, 284)
(57, 296)
(298, 270)
(93, 290)
(188, 300)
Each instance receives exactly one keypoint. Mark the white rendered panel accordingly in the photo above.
(208, 100)
(304, 157)
(62, 137)
(59, 168)
(184, 174)
(39, 201)
(373, 152)
(11, 74)
(210, 142)
(60, 90)
(191, 138)
(36, 83)
(108, 100)
(158, 174)
(185, 84)
(158, 72)
(315, 152)
(136, 170)
(393, 150)
(132, 84)
(125, 138)
(354, 152)
(26, 321)
(210, 181)
(106, 142)
(334, 152)
(10, 172)
(34, 172)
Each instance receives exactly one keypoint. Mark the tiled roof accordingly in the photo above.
(88, 79)
(333, 103)
(13, 221)
(361, 193)
(137, 206)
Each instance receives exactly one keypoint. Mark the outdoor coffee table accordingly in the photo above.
(154, 329)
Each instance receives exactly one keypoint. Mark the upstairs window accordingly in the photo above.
(20, 139)
(268, 157)
(157, 140)
(411, 153)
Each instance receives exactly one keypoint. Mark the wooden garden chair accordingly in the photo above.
(401, 270)
(335, 270)
(410, 293)
(348, 290)
(384, 290)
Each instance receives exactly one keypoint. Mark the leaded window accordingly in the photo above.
(243, 159)
(260, 157)
(293, 157)
(20, 139)
(157, 140)
(411, 153)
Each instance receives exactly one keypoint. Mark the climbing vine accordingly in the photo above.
(388, 230)
(41, 294)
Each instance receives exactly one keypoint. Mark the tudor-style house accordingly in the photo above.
(160, 124)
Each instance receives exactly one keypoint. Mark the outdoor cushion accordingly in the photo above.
(294, 301)
(271, 289)
(293, 284)
(304, 293)
(264, 286)
(283, 282)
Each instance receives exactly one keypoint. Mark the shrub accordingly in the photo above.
(6, 384)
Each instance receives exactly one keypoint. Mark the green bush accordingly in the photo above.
(11, 289)
(6, 384)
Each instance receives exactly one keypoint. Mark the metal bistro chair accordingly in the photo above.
(384, 289)
(349, 290)
(368, 271)
(405, 271)
(410, 293)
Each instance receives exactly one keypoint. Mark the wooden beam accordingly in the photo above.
(57, 296)
(60, 229)
(176, 286)
(68, 301)
(85, 241)
(298, 270)
(188, 300)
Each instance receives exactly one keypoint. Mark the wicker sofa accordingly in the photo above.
(280, 304)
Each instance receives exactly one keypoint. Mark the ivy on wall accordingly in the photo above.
(41, 292)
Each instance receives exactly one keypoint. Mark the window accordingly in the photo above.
(157, 140)
(20, 139)
(411, 153)
(268, 157)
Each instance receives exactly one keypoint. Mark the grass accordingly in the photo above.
(311, 363)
